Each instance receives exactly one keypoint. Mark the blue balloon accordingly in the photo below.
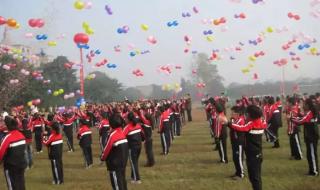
(132, 54)
(306, 45)
(300, 47)
(120, 30)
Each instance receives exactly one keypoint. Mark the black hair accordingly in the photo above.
(312, 107)
(219, 108)
(115, 121)
(84, 121)
(271, 100)
(11, 123)
(105, 115)
(132, 118)
(50, 117)
(254, 112)
(55, 126)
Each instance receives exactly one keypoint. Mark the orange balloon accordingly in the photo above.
(11, 22)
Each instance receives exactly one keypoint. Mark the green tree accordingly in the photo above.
(102, 88)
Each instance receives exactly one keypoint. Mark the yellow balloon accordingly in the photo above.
(313, 51)
(144, 27)
(55, 93)
(78, 5)
(245, 70)
(252, 58)
(85, 25)
(209, 38)
(89, 31)
(270, 29)
(52, 43)
(251, 65)
(29, 103)
(61, 91)
(17, 26)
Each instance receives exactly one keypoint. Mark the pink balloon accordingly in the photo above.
(88, 5)
(28, 35)
(40, 23)
(152, 40)
(6, 67)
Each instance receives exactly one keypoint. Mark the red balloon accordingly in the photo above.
(33, 22)
(40, 23)
(81, 38)
(2, 20)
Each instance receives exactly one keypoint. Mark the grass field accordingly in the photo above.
(191, 164)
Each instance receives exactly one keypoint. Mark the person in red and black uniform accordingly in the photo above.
(311, 134)
(104, 129)
(221, 123)
(12, 150)
(293, 111)
(55, 146)
(254, 131)
(177, 119)
(146, 120)
(164, 130)
(85, 141)
(37, 127)
(27, 132)
(274, 122)
(237, 141)
(67, 120)
(134, 133)
(115, 154)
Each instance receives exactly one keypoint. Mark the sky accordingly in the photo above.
(62, 18)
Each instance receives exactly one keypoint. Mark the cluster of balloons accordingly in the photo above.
(102, 63)
(92, 54)
(144, 27)
(117, 48)
(58, 92)
(241, 16)
(187, 14)
(169, 87)
(289, 44)
(70, 95)
(36, 22)
(172, 23)
(108, 9)
(34, 102)
(295, 58)
(219, 21)
(86, 27)
(41, 37)
(293, 16)
(152, 40)
(256, 41)
(91, 76)
(165, 69)
(257, 1)
(68, 65)
(80, 102)
(123, 30)
(201, 85)
(79, 5)
(10, 22)
(25, 72)
(14, 81)
(111, 66)
(303, 46)
(52, 43)
(207, 32)
(37, 75)
(195, 10)
(138, 73)
(314, 51)
(281, 62)
(81, 38)
(9, 66)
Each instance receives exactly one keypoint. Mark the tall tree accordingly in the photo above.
(102, 88)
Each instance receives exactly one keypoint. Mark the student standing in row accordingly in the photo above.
(55, 146)
(85, 141)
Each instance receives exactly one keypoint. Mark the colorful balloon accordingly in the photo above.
(11, 22)
(79, 5)
(81, 38)
(144, 27)
(2, 20)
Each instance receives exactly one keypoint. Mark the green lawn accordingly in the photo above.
(191, 164)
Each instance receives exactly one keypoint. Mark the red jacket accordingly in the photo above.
(164, 119)
(115, 138)
(256, 126)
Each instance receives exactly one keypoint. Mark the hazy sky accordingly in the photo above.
(62, 18)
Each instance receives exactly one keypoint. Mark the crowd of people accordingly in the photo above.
(253, 118)
(122, 128)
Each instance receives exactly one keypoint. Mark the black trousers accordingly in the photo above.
(254, 162)
(165, 140)
(177, 126)
(222, 147)
(134, 154)
(237, 156)
(87, 154)
(118, 179)
(189, 115)
(15, 178)
(295, 146)
(68, 131)
(57, 170)
(103, 140)
(274, 137)
(172, 133)
(312, 156)
(38, 138)
(149, 152)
